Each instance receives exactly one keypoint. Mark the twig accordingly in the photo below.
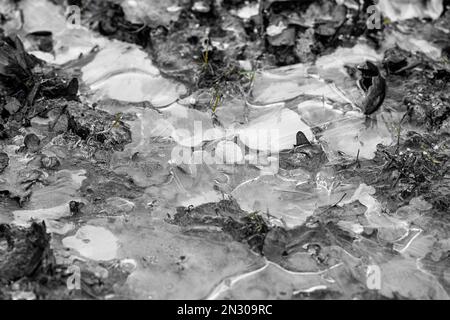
(52, 127)
(345, 194)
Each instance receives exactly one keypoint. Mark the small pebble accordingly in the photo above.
(32, 142)
(4, 161)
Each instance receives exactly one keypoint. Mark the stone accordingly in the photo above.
(12, 106)
(26, 251)
(4, 161)
(32, 142)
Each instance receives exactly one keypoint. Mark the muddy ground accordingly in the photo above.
(94, 205)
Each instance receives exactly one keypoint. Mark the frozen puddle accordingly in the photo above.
(355, 136)
(274, 131)
(69, 42)
(118, 70)
(328, 65)
(287, 83)
(413, 43)
(42, 16)
(317, 113)
(403, 10)
(123, 72)
(327, 79)
(390, 229)
(176, 265)
(321, 101)
(190, 127)
(284, 199)
(95, 243)
(155, 11)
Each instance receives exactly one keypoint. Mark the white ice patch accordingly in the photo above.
(128, 265)
(189, 127)
(336, 61)
(202, 198)
(327, 80)
(248, 11)
(123, 72)
(68, 43)
(274, 30)
(78, 176)
(160, 12)
(51, 203)
(274, 131)
(95, 243)
(410, 9)
(286, 83)
(282, 199)
(42, 16)
(318, 113)
(351, 226)
(353, 136)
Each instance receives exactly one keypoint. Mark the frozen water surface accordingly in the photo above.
(195, 262)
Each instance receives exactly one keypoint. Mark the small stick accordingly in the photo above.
(345, 194)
